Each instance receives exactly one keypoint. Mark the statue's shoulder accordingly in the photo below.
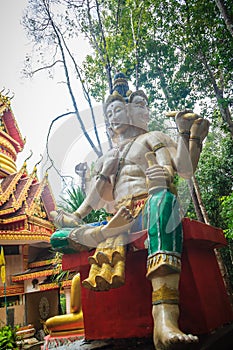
(159, 136)
(156, 137)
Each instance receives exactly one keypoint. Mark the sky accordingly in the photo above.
(37, 101)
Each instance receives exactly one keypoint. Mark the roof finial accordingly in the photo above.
(51, 165)
(25, 162)
(35, 166)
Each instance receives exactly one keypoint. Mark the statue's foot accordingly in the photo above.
(120, 222)
(167, 334)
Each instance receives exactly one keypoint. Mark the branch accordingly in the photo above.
(108, 65)
(46, 67)
(69, 84)
(223, 10)
(47, 140)
(86, 93)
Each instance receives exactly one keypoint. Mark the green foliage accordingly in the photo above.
(215, 178)
(227, 214)
(72, 201)
(215, 175)
(63, 303)
(8, 338)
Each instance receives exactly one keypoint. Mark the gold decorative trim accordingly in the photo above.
(42, 263)
(8, 146)
(10, 169)
(13, 219)
(165, 295)
(31, 275)
(158, 146)
(66, 283)
(135, 203)
(15, 143)
(48, 286)
(12, 290)
(163, 259)
(25, 236)
(41, 222)
(4, 196)
(17, 204)
(38, 193)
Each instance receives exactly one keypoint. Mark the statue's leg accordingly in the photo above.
(165, 312)
(164, 264)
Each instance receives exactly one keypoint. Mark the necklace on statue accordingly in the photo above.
(122, 160)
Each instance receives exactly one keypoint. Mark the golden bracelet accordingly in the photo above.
(158, 146)
(197, 139)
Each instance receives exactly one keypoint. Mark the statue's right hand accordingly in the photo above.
(62, 219)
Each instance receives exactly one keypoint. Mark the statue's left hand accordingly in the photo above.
(62, 219)
(185, 119)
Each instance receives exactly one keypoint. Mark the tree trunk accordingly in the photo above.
(195, 200)
(223, 10)
(223, 106)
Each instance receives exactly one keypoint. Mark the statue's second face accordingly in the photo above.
(139, 112)
(117, 116)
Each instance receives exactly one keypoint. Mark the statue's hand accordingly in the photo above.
(62, 219)
(158, 176)
(200, 128)
(184, 120)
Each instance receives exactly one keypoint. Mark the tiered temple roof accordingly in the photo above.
(25, 204)
(11, 141)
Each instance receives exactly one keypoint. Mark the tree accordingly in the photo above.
(226, 13)
(43, 21)
(180, 51)
(215, 178)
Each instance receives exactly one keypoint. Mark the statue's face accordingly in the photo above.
(139, 112)
(117, 115)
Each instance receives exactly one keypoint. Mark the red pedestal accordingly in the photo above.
(126, 312)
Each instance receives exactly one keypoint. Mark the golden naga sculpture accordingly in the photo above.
(134, 182)
(71, 323)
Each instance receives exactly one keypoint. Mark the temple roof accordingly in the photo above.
(25, 206)
(9, 124)
(11, 141)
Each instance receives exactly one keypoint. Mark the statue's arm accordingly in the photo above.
(99, 193)
(192, 131)
(101, 190)
(160, 171)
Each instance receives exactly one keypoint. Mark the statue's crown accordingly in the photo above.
(121, 91)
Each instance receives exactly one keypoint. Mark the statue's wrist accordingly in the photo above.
(103, 177)
(197, 140)
(78, 215)
(184, 133)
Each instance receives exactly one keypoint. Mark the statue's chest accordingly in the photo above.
(133, 152)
